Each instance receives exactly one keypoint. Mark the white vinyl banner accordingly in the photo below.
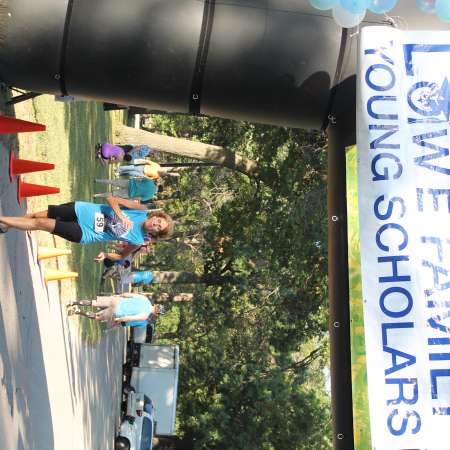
(404, 202)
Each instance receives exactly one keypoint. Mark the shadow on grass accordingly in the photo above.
(86, 124)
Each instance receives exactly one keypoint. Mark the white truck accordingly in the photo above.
(155, 374)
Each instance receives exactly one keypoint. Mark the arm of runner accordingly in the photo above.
(113, 256)
(100, 257)
(117, 202)
(128, 250)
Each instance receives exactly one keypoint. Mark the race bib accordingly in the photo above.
(99, 222)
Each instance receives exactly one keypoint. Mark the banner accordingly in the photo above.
(404, 208)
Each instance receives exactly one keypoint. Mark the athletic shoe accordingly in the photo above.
(73, 310)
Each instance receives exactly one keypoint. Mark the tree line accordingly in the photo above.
(245, 281)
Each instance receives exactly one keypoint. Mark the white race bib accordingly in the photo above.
(99, 222)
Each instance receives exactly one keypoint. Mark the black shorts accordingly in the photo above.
(66, 225)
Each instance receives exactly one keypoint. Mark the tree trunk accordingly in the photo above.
(183, 297)
(189, 278)
(192, 165)
(187, 235)
(177, 277)
(168, 335)
(160, 203)
(188, 148)
(165, 297)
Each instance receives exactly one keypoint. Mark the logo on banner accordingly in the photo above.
(430, 99)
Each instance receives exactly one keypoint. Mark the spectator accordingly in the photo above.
(108, 153)
(142, 189)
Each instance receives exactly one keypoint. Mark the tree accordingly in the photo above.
(252, 352)
(188, 148)
(181, 277)
(165, 297)
(171, 443)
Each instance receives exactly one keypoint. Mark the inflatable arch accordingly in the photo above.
(279, 62)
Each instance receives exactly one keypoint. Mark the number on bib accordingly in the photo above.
(99, 222)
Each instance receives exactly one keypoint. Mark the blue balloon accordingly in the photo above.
(428, 6)
(346, 19)
(323, 4)
(355, 6)
(381, 6)
(443, 10)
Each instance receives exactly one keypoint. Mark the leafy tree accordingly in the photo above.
(253, 349)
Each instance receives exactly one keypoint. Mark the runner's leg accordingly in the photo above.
(121, 192)
(38, 215)
(29, 224)
(88, 314)
(81, 303)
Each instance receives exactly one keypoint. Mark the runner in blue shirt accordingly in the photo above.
(139, 278)
(128, 309)
(86, 223)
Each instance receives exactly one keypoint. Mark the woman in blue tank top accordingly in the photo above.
(86, 223)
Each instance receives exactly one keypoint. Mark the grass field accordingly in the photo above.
(73, 129)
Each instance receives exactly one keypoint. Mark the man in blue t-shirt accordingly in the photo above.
(138, 278)
(86, 223)
(127, 309)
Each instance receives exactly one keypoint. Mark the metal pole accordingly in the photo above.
(22, 98)
(339, 320)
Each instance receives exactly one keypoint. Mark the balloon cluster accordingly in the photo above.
(350, 13)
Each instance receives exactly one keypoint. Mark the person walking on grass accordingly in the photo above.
(142, 189)
(86, 223)
(114, 268)
(116, 264)
(138, 278)
(110, 153)
(144, 168)
(128, 309)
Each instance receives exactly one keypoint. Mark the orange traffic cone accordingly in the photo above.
(55, 275)
(46, 252)
(19, 166)
(10, 125)
(32, 190)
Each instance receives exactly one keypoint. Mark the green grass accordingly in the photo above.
(73, 129)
